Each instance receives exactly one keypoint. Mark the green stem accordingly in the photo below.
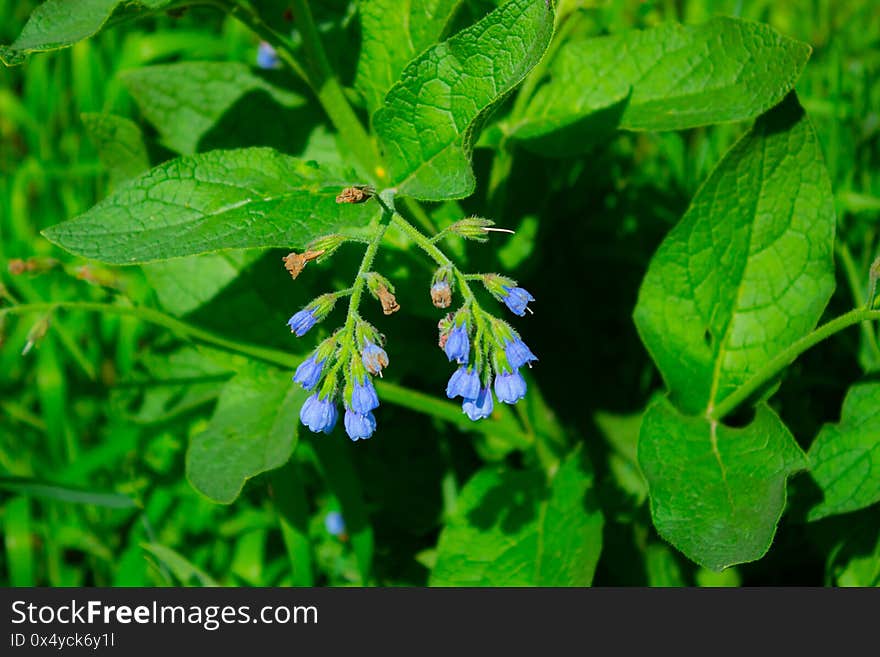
(775, 365)
(393, 394)
(330, 94)
(360, 282)
(854, 278)
(176, 326)
(436, 255)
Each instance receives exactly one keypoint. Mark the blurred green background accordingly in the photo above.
(95, 419)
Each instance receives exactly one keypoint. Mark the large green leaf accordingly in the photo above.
(187, 99)
(61, 23)
(845, 457)
(120, 145)
(513, 528)
(254, 429)
(430, 118)
(669, 77)
(717, 492)
(748, 270)
(184, 284)
(392, 33)
(252, 197)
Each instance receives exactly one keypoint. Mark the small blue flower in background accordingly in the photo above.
(359, 426)
(374, 357)
(518, 354)
(334, 523)
(517, 299)
(464, 383)
(302, 321)
(510, 387)
(266, 56)
(481, 407)
(458, 347)
(363, 396)
(308, 373)
(319, 414)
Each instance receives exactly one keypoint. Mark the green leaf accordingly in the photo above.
(845, 457)
(61, 23)
(184, 570)
(392, 33)
(251, 197)
(429, 119)
(254, 429)
(187, 99)
(717, 492)
(120, 145)
(289, 495)
(748, 269)
(65, 493)
(512, 528)
(184, 284)
(669, 77)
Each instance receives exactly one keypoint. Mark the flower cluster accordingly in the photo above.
(488, 352)
(492, 364)
(340, 368)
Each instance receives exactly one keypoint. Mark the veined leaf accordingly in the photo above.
(749, 268)
(716, 492)
(185, 100)
(254, 429)
(120, 145)
(845, 457)
(392, 33)
(252, 197)
(669, 77)
(61, 23)
(430, 118)
(513, 528)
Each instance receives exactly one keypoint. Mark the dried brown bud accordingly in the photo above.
(441, 294)
(389, 303)
(353, 195)
(296, 262)
(17, 266)
(98, 276)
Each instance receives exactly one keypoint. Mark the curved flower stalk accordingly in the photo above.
(487, 351)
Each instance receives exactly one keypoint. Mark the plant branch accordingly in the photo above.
(775, 365)
(854, 278)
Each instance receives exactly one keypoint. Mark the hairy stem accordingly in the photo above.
(775, 365)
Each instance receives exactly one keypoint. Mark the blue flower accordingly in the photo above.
(334, 523)
(309, 372)
(458, 347)
(363, 396)
(510, 387)
(266, 56)
(464, 383)
(517, 299)
(477, 409)
(319, 414)
(374, 357)
(518, 354)
(359, 425)
(302, 321)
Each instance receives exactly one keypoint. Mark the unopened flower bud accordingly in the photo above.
(874, 276)
(97, 276)
(38, 332)
(475, 228)
(35, 265)
(441, 287)
(326, 245)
